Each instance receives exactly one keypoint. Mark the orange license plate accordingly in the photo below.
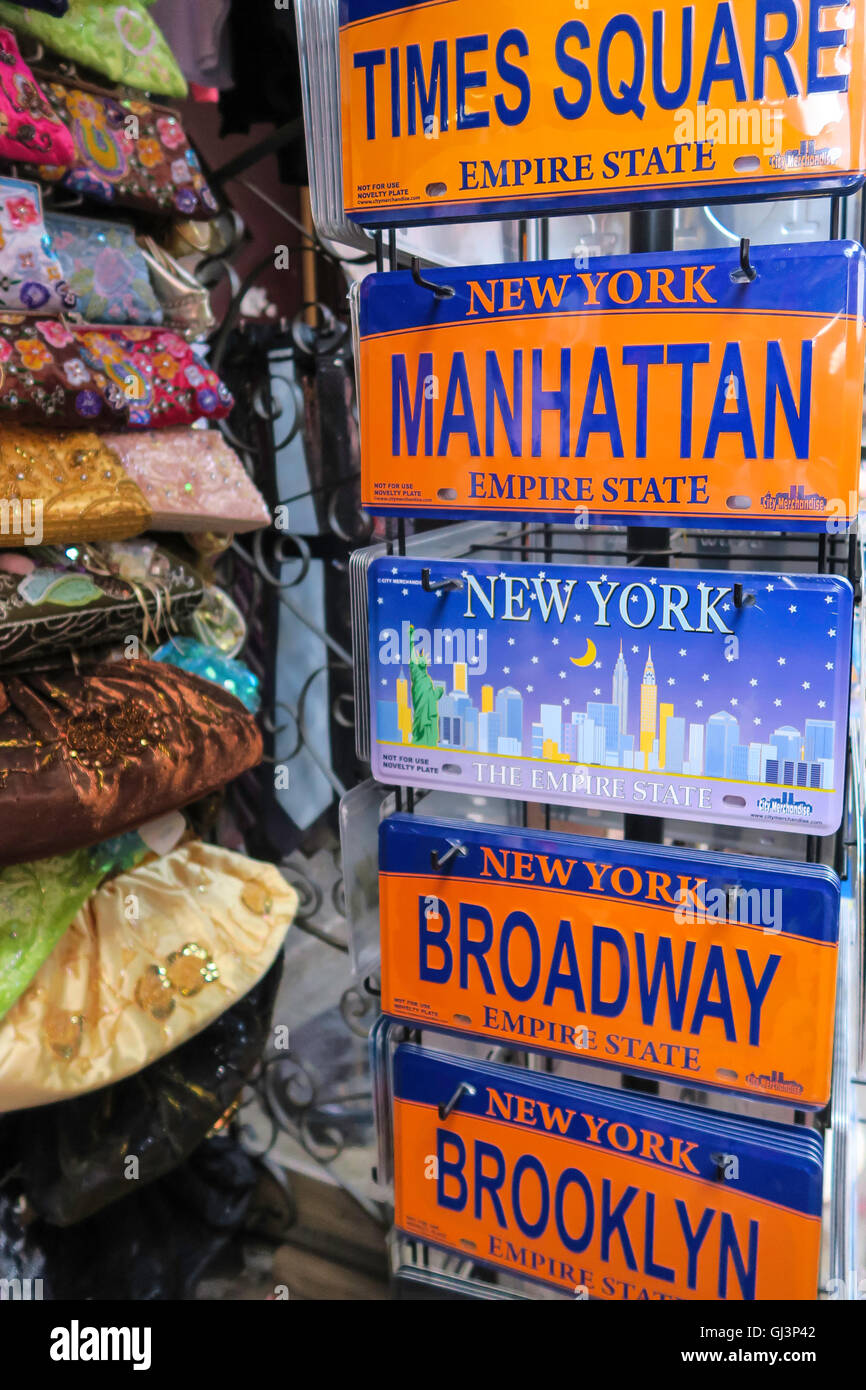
(643, 390)
(715, 970)
(457, 109)
(602, 1193)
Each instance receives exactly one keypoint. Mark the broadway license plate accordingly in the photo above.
(643, 390)
(601, 1193)
(632, 689)
(715, 970)
(468, 109)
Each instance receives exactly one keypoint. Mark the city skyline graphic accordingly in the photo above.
(767, 709)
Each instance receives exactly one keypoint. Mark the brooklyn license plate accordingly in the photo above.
(643, 390)
(465, 109)
(602, 1193)
(715, 970)
(700, 695)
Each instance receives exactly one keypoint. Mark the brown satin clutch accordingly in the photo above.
(81, 488)
(86, 756)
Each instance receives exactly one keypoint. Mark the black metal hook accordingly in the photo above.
(432, 586)
(440, 291)
(741, 599)
(746, 272)
(464, 1089)
(456, 848)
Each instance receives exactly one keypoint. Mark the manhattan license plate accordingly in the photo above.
(601, 1193)
(715, 970)
(648, 390)
(466, 109)
(631, 689)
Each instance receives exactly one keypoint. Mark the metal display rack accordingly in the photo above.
(421, 1272)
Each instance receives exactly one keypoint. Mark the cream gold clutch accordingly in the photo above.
(153, 957)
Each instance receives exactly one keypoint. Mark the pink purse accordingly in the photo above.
(30, 130)
(192, 479)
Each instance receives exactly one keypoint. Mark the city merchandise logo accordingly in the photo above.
(807, 155)
(795, 499)
(775, 1081)
(786, 806)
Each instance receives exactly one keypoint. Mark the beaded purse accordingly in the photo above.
(30, 130)
(128, 152)
(103, 377)
(64, 488)
(121, 989)
(31, 276)
(192, 479)
(84, 757)
(73, 597)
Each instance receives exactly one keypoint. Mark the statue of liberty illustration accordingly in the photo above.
(425, 698)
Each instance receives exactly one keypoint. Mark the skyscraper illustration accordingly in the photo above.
(648, 706)
(619, 694)
(505, 723)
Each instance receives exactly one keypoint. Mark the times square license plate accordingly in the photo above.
(644, 390)
(602, 1193)
(630, 689)
(464, 109)
(711, 969)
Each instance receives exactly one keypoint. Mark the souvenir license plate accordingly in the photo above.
(467, 109)
(645, 390)
(633, 689)
(600, 1193)
(716, 970)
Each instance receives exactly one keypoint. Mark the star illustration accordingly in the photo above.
(832, 632)
(530, 689)
(822, 704)
(395, 570)
(770, 588)
(782, 661)
(705, 676)
(807, 685)
(566, 701)
(699, 703)
(597, 666)
(734, 700)
(777, 703)
(535, 661)
(596, 691)
(653, 581)
(380, 600)
(829, 598)
(756, 720)
(556, 641)
(829, 665)
(793, 608)
(506, 670)
(753, 681)
(405, 593)
(671, 680)
(562, 675)
(683, 651)
(511, 641)
(635, 649)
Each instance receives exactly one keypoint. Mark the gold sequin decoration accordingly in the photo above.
(190, 969)
(257, 899)
(154, 992)
(64, 1032)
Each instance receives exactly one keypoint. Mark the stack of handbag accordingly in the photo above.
(123, 934)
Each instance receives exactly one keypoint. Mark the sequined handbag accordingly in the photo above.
(128, 152)
(105, 269)
(30, 130)
(86, 756)
(193, 480)
(64, 487)
(123, 988)
(71, 598)
(31, 276)
(101, 376)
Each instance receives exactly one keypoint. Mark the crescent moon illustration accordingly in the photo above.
(588, 658)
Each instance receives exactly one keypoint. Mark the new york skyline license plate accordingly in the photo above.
(645, 389)
(631, 689)
(465, 109)
(601, 1193)
(714, 969)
